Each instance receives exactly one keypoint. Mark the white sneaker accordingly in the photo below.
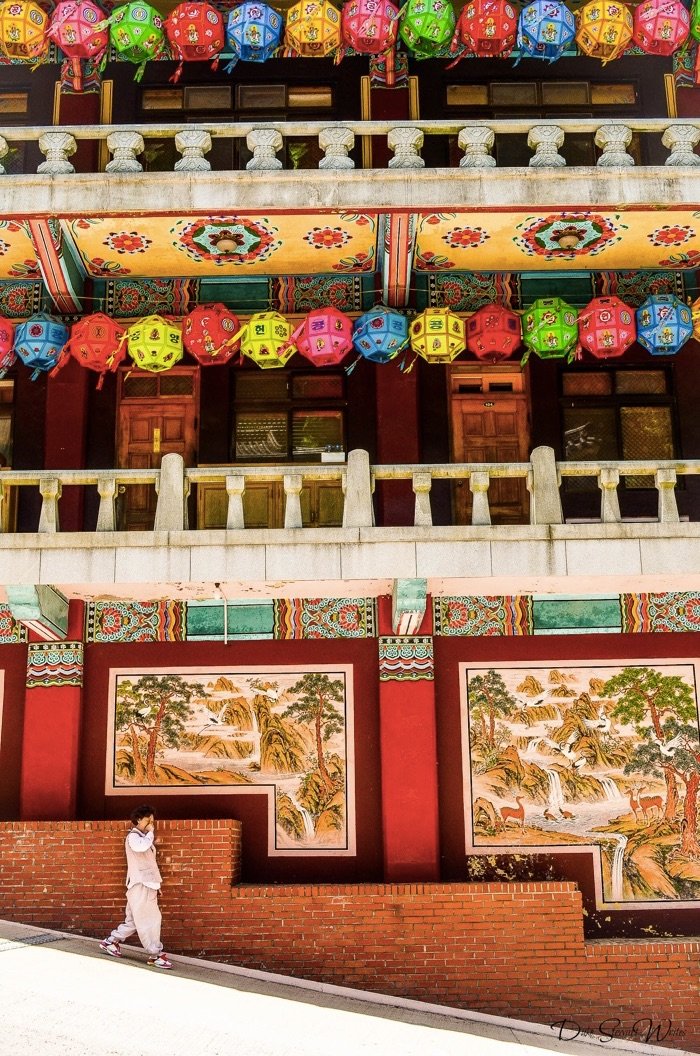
(112, 948)
(161, 961)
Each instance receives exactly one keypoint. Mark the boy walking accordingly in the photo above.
(143, 882)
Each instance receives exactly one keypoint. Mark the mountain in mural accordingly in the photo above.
(531, 686)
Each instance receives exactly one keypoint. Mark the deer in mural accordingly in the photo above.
(634, 801)
(516, 813)
(648, 803)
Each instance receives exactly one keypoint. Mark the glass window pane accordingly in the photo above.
(261, 96)
(259, 435)
(316, 431)
(467, 95)
(644, 381)
(565, 93)
(256, 385)
(589, 433)
(5, 439)
(513, 93)
(613, 94)
(584, 384)
(305, 96)
(162, 99)
(317, 386)
(14, 102)
(646, 434)
(208, 97)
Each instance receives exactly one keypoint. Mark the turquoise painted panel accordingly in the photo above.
(205, 620)
(576, 614)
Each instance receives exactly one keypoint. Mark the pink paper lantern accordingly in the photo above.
(369, 26)
(606, 327)
(78, 29)
(325, 337)
(8, 357)
(660, 26)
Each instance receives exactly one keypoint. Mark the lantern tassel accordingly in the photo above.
(100, 382)
(178, 73)
(351, 366)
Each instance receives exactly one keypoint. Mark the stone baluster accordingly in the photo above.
(336, 144)
(235, 488)
(543, 484)
(545, 140)
(124, 148)
(3, 496)
(479, 487)
(193, 144)
(358, 509)
(614, 141)
(477, 144)
(608, 481)
(293, 483)
(170, 488)
(665, 482)
(265, 144)
(50, 489)
(106, 516)
(57, 147)
(422, 483)
(405, 143)
(4, 151)
(682, 141)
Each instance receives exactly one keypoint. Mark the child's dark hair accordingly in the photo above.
(144, 811)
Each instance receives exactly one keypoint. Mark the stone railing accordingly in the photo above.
(476, 140)
(542, 475)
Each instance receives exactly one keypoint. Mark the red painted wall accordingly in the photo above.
(507, 949)
(249, 809)
(13, 661)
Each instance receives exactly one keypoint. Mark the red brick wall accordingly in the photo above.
(509, 949)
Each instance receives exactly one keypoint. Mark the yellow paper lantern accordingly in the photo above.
(695, 314)
(266, 339)
(604, 29)
(23, 26)
(313, 28)
(154, 343)
(438, 335)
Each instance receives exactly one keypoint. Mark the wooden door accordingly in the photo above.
(148, 428)
(490, 424)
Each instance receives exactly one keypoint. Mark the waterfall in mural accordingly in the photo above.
(556, 795)
(610, 788)
(616, 868)
(309, 829)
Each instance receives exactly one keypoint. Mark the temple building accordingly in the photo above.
(349, 455)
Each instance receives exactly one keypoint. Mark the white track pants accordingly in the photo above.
(142, 916)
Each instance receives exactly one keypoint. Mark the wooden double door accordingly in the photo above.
(490, 423)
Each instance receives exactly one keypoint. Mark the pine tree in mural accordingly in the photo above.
(315, 705)
(648, 700)
(488, 699)
(155, 707)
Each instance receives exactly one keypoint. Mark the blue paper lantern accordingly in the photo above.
(545, 30)
(253, 32)
(39, 343)
(664, 324)
(380, 334)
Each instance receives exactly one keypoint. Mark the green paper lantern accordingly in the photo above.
(695, 20)
(154, 343)
(136, 33)
(427, 26)
(550, 329)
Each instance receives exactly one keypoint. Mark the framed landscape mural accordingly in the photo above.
(595, 757)
(282, 732)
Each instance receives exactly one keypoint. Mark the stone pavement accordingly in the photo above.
(60, 996)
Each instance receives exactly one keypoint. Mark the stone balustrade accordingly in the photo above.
(405, 140)
(544, 479)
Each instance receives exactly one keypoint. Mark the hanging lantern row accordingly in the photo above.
(212, 334)
(196, 31)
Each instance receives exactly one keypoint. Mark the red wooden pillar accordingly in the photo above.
(397, 440)
(408, 751)
(52, 720)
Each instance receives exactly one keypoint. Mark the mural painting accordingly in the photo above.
(592, 756)
(282, 732)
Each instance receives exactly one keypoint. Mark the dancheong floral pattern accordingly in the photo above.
(565, 236)
(465, 237)
(327, 237)
(127, 242)
(671, 235)
(224, 240)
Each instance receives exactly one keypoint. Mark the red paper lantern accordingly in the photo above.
(207, 333)
(96, 342)
(325, 337)
(196, 34)
(8, 357)
(606, 327)
(79, 30)
(493, 333)
(660, 26)
(487, 27)
(369, 26)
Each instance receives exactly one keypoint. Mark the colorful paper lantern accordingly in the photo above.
(438, 335)
(39, 343)
(493, 333)
(369, 26)
(208, 333)
(196, 34)
(606, 327)
(96, 342)
(78, 29)
(313, 28)
(324, 337)
(695, 20)
(154, 344)
(23, 30)
(604, 29)
(546, 28)
(266, 339)
(660, 26)
(427, 26)
(380, 334)
(550, 329)
(487, 27)
(664, 324)
(136, 33)
(8, 357)
(253, 32)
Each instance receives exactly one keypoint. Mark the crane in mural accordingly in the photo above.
(315, 705)
(154, 709)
